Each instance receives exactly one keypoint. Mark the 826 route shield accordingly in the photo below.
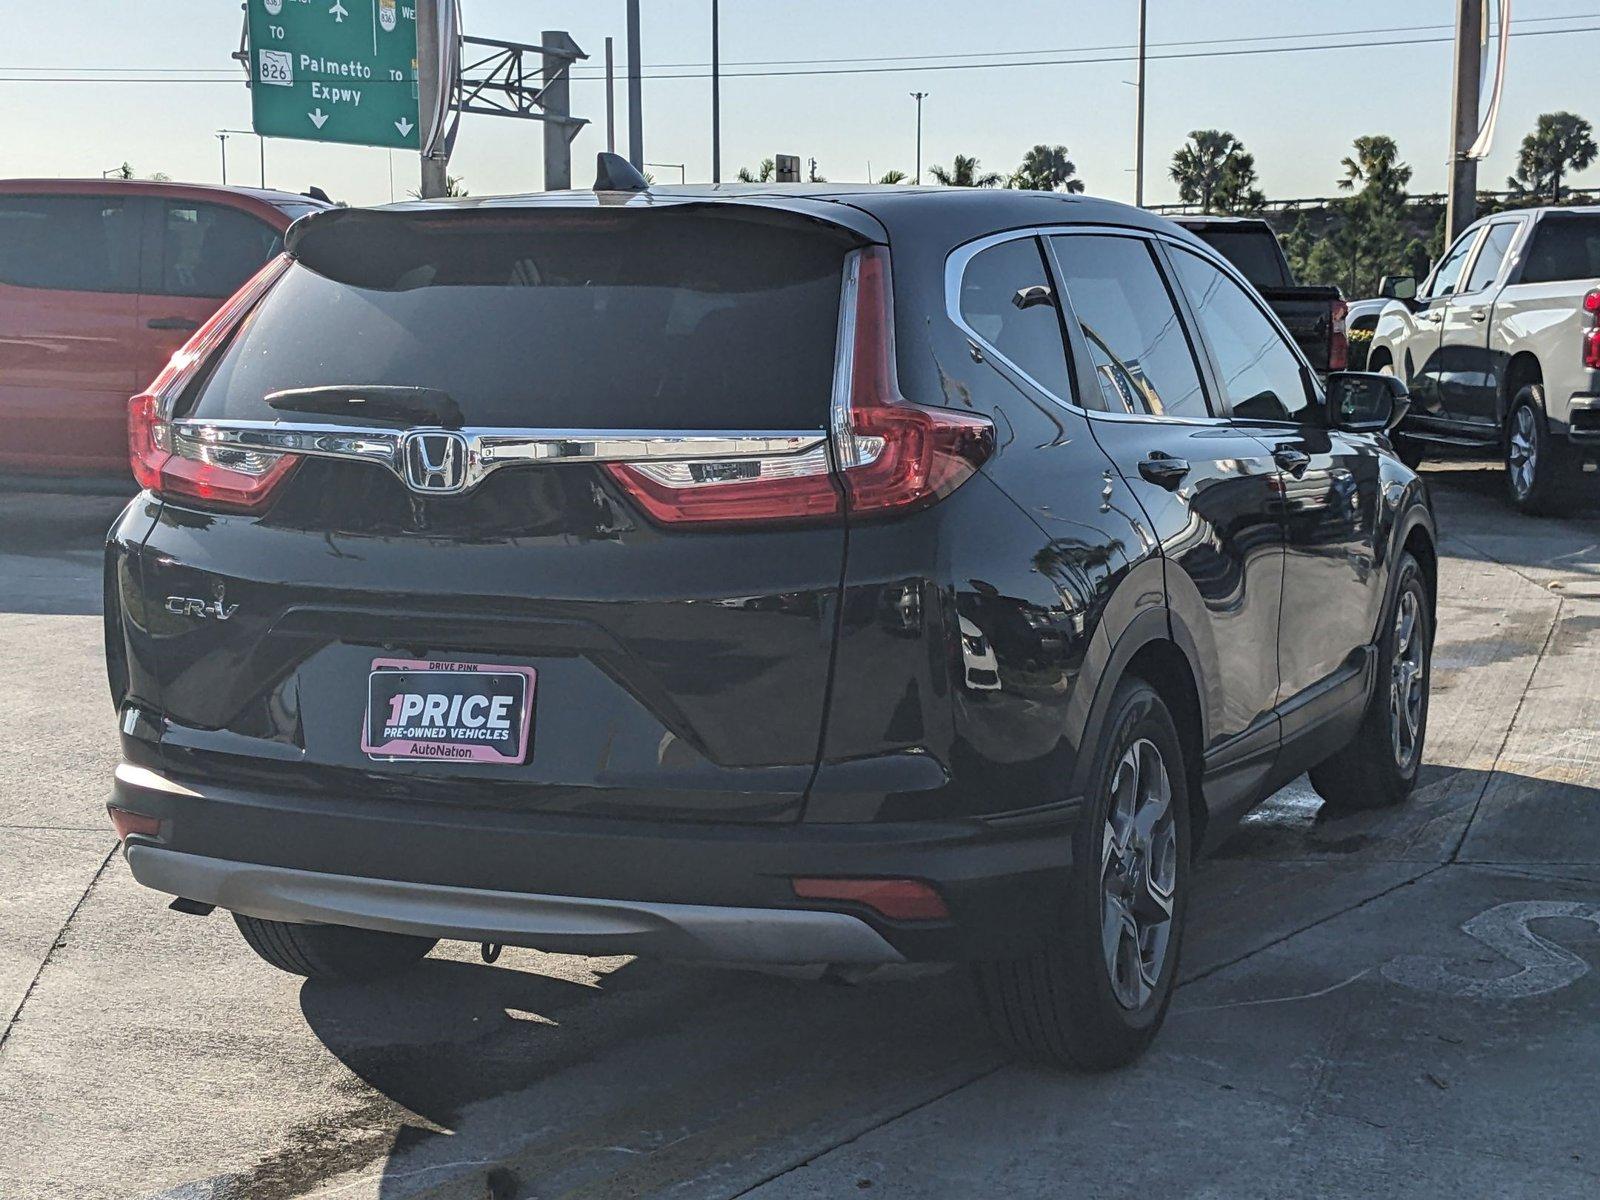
(447, 711)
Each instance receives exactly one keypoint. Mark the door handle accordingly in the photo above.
(1433, 316)
(1291, 460)
(1163, 470)
(1479, 316)
(183, 323)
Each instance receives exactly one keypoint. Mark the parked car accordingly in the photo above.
(1313, 314)
(1500, 346)
(100, 281)
(846, 577)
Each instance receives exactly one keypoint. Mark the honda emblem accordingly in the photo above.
(435, 462)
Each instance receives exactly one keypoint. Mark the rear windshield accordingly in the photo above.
(1564, 248)
(607, 321)
(1254, 251)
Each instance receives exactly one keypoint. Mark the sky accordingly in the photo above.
(1296, 111)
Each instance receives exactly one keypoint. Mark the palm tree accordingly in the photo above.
(1375, 165)
(1199, 164)
(1046, 169)
(764, 175)
(963, 172)
(1561, 142)
(893, 177)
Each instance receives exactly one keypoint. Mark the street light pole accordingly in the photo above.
(716, 99)
(611, 101)
(1463, 202)
(635, 91)
(919, 97)
(1138, 120)
(222, 140)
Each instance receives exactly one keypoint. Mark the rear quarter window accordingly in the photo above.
(619, 321)
(69, 243)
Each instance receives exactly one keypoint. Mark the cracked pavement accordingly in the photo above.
(1401, 1001)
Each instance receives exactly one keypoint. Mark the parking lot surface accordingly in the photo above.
(1397, 1002)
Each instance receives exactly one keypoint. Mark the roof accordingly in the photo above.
(272, 196)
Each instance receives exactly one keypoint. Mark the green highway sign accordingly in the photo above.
(335, 71)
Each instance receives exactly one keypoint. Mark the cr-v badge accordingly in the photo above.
(193, 606)
(435, 461)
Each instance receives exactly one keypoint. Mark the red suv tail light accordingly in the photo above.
(887, 455)
(1339, 337)
(170, 463)
(1591, 336)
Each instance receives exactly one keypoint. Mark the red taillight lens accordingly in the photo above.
(165, 461)
(1591, 336)
(1339, 337)
(125, 822)
(897, 899)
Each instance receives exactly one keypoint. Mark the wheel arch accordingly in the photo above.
(1522, 369)
(1152, 649)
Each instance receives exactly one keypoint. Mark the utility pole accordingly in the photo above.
(558, 52)
(1463, 190)
(635, 91)
(919, 97)
(435, 169)
(611, 101)
(716, 100)
(1138, 119)
(222, 139)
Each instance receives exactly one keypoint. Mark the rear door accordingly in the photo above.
(202, 253)
(670, 670)
(1208, 489)
(1467, 376)
(69, 342)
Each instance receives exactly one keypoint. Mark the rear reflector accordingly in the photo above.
(187, 468)
(897, 899)
(888, 456)
(126, 823)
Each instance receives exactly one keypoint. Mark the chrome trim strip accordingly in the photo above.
(569, 924)
(489, 447)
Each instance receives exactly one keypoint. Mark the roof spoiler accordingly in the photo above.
(613, 173)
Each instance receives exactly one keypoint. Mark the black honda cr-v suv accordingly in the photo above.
(774, 574)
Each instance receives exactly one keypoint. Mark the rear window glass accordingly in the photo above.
(69, 243)
(1564, 248)
(1254, 251)
(616, 321)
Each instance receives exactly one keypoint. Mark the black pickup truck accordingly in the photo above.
(1314, 316)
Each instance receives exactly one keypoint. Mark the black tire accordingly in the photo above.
(1370, 772)
(335, 953)
(1060, 1005)
(1536, 464)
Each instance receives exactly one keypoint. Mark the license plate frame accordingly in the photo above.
(465, 731)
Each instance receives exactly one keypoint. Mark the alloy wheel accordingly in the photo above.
(1138, 874)
(1522, 451)
(1408, 681)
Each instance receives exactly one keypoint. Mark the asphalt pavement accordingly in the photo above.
(1389, 1003)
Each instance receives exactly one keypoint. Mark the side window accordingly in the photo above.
(1141, 355)
(1261, 373)
(1449, 272)
(69, 243)
(1487, 267)
(210, 249)
(1027, 337)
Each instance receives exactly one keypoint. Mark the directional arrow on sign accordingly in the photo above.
(404, 126)
(318, 117)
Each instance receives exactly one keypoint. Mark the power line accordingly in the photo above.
(231, 74)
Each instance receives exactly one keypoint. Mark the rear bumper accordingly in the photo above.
(597, 886)
(559, 923)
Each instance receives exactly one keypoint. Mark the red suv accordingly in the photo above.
(100, 281)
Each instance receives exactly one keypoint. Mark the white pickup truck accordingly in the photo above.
(1500, 347)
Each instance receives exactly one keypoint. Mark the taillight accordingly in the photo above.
(1591, 336)
(888, 455)
(1339, 337)
(172, 463)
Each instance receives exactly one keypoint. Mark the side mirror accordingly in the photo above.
(1365, 402)
(1398, 287)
